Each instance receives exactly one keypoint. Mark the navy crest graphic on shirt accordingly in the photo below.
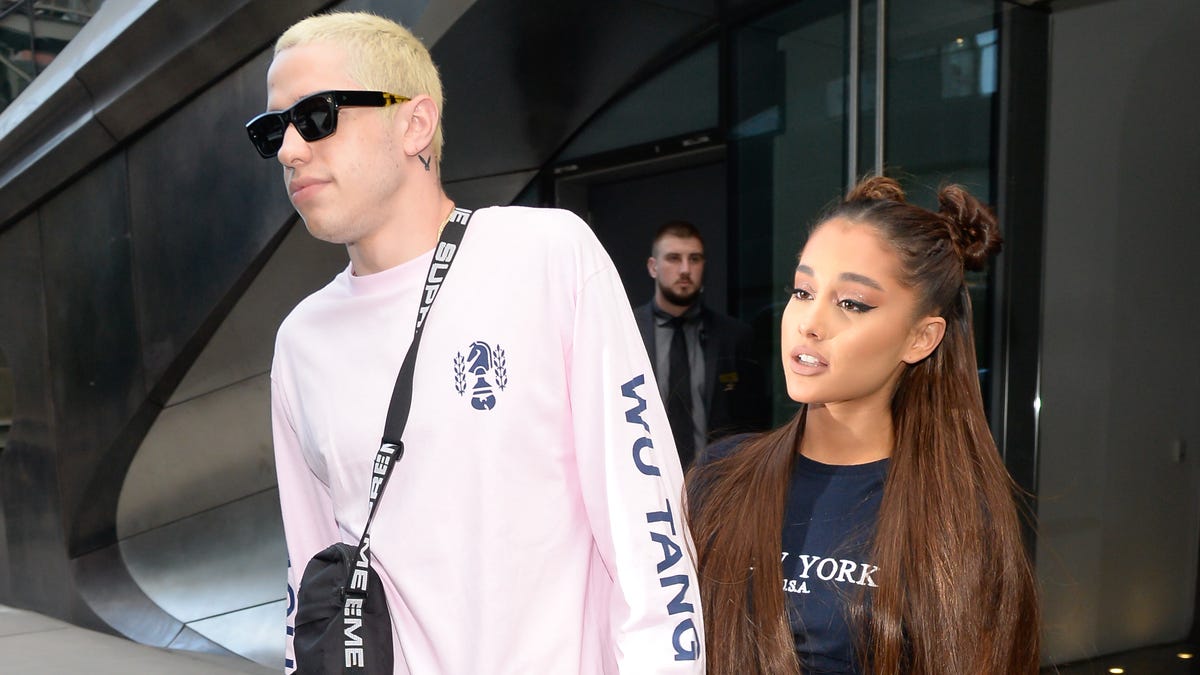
(483, 371)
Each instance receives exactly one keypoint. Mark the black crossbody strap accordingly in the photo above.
(391, 449)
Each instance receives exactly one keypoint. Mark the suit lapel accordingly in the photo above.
(708, 337)
(645, 322)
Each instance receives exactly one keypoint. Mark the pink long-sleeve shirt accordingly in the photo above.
(534, 524)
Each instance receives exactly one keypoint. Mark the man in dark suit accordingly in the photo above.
(703, 361)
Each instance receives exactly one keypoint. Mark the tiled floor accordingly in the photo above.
(32, 644)
(1150, 661)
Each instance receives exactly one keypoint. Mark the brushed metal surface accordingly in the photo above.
(243, 345)
(134, 62)
(39, 576)
(223, 560)
(197, 224)
(256, 633)
(31, 164)
(200, 455)
(92, 332)
(107, 588)
(543, 67)
(189, 640)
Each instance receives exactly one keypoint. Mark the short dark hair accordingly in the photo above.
(675, 228)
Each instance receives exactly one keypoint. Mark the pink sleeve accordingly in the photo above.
(304, 501)
(632, 488)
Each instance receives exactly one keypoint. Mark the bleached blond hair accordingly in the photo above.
(383, 55)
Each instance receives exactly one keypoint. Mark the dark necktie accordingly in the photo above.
(679, 394)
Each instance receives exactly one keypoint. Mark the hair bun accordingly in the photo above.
(877, 188)
(973, 227)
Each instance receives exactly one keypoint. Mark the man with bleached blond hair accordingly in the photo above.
(533, 523)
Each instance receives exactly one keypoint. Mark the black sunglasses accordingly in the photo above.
(315, 117)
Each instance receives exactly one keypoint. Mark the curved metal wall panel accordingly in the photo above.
(96, 378)
(216, 562)
(107, 588)
(39, 576)
(114, 281)
(204, 649)
(550, 65)
(253, 633)
(211, 448)
(129, 65)
(202, 206)
(242, 347)
(194, 232)
(211, 445)
(33, 166)
(211, 451)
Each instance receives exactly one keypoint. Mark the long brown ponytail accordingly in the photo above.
(955, 587)
(735, 512)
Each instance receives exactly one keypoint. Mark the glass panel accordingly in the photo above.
(788, 153)
(941, 79)
(32, 34)
(679, 100)
(942, 74)
(868, 21)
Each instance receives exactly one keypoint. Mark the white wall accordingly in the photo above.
(1120, 379)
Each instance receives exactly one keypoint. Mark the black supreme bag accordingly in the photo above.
(342, 620)
(321, 640)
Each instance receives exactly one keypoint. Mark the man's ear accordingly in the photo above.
(925, 338)
(652, 267)
(421, 125)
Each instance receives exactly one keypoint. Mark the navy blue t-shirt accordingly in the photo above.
(828, 527)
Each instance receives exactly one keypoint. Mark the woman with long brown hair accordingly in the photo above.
(901, 546)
